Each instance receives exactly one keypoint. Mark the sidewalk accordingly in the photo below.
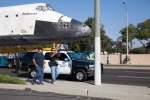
(127, 66)
(111, 91)
(134, 65)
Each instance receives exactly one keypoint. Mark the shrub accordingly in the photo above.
(11, 80)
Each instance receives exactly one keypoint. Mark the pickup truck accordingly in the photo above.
(69, 63)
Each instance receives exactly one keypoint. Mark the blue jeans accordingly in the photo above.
(54, 73)
(39, 75)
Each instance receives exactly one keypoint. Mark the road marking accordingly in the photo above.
(135, 72)
(135, 77)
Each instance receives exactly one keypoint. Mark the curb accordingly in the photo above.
(70, 91)
(79, 92)
(118, 95)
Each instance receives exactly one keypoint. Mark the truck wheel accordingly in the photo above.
(81, 75)
(10, 64)
(32, 73)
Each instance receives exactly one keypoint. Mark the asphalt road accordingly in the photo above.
(29, 94)
(135, 77)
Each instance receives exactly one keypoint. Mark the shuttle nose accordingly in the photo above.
(80, 29)
(85, 30)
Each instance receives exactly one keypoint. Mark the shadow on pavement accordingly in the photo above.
(47, 77)
(61, 77)
(23, 75)
(29, 80)
(13, 72)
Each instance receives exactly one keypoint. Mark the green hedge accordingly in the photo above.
(11, 80)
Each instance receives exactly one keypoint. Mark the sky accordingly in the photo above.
(112, 12)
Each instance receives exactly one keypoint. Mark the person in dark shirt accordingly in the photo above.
(54, 64)
(17, 63)
(38, 60)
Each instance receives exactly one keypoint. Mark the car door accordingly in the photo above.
(27, 60)
(47, 59)
(64, 64)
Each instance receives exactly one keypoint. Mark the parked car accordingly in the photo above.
(69, 63)
(83, 55)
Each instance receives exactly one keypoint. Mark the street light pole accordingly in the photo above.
(97, 77)
(127, 28)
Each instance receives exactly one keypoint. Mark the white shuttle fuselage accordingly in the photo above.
(38, 24)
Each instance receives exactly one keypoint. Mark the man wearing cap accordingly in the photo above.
(38, 60)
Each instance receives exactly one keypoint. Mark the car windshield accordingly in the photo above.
(73, 55)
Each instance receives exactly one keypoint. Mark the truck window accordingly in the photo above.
(29, 55)
(47, 56)
(73, 55)
(62, 56)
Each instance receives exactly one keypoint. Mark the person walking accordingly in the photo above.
(54, 64)
(17, 63)
(108, 62)
(38, 60)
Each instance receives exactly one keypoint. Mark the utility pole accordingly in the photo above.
(127, 28)
(97, 78)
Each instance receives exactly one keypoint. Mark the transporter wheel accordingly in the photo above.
(10, 64)
(81, 75)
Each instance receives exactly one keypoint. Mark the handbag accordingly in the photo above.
(50, 63)
(56, 62)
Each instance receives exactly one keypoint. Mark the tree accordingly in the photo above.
(131, 35)
(119, 47)
(87, 44)
(144, 34)
(106, 44)
(140, 50)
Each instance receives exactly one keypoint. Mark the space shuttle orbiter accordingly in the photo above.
(38, 24)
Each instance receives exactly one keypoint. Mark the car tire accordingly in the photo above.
(32, 73)
(10, 64)
(80, 75)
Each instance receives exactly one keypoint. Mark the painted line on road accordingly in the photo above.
(134, 77)
(135, 72)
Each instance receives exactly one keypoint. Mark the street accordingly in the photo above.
(28, 94)
(135, 77)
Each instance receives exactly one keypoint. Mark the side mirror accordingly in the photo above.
(66, 59)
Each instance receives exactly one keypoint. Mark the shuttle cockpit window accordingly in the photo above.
(44, 8)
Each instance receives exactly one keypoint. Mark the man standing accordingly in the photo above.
(54, 64)
(38, 60)
(17, 63)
